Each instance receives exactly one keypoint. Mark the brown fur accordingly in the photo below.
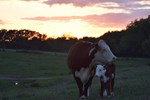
(78, 57)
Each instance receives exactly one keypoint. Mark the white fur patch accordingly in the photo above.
(112, 75)
(105, 78)
(91, 51)
(100, 71)
(83, 74)
(82, 97)
(88, 92)
(105, 93)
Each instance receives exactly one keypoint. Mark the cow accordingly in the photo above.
(106, 74)
(82, 59)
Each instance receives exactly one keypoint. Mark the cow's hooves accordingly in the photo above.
(83, 98)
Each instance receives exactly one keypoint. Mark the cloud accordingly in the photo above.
(29, 0)
(113, 20)
(108, 20)
(39, 18)
(142, 13)
(2, 22)
(101, 3)
(83, 3)
(56, 18)
(116, 20)
(79, 3)
(135, 9)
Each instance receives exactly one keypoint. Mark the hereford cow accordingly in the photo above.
(107, 78)
(82, 60)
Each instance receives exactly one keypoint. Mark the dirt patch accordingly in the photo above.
(21, 78)
(29, 51)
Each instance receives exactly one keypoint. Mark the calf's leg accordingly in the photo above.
(112, 86)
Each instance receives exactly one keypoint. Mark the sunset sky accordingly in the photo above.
(79, 17)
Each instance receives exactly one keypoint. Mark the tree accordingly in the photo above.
(146, 47)
(2, 38)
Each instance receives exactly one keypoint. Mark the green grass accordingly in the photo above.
(132, 78)
(32, 64)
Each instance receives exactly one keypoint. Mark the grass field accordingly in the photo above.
(53, 80)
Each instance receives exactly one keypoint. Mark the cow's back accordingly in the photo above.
(78, 55)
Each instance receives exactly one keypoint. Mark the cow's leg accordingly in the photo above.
(113, 78)
(80, 86)
(109, 88)
(87, 87)
(83, 88)
(112, 86)
(105, 89)
(102, 89)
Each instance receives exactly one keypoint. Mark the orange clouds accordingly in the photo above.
(2, 22)
(112, 20)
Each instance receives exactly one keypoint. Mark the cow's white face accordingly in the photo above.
(104, 54)
(100, 71)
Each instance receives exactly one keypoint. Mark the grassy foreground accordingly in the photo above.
(57, 83)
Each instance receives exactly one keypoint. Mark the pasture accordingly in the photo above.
(45, 76)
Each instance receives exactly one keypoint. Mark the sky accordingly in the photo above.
(90, 18)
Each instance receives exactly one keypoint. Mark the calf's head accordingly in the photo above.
(100, 71)
(104, 54)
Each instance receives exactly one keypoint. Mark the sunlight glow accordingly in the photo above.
(55, 20)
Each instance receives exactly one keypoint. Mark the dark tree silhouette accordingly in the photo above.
(2, 38)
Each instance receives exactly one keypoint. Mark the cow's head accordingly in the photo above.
(104, 54)
(100, 71)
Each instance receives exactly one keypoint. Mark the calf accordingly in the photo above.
(107, 78)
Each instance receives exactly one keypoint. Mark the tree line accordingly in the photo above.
(134, 41)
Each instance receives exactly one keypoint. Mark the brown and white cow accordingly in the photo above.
(82, 60)
(107, 78)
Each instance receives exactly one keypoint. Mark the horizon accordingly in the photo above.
(90, 18)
